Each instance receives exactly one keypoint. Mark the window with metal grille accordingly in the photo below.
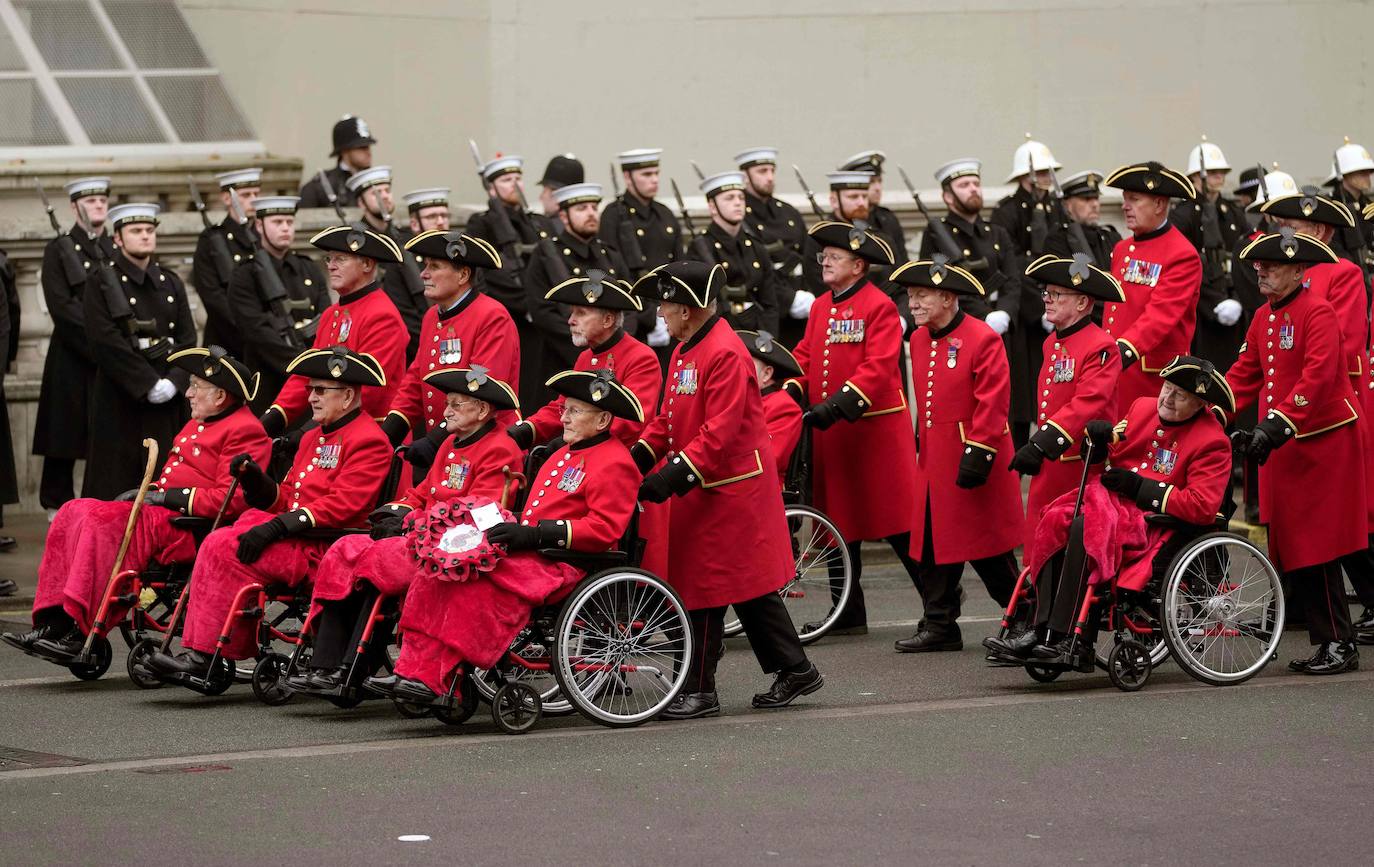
(110, 76)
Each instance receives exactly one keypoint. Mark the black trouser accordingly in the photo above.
(771, 635)
(339, 627)
(1322, 592)
(1359, 566)
(938, 583)
(57, 483)
(855, 611)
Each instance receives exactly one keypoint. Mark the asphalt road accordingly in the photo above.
(931, 758)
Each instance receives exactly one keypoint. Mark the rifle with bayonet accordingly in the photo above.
(1039, 220)
(297, 331)
(810, 196)
(410, 272)
(944, 239)
(1078, 239)
(72, 264)
(1213, 244)
(700, 245)
(219, 245)
(502, 229)
(332, 197)
(626, 239)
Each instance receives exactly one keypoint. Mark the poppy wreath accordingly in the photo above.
(425, 531)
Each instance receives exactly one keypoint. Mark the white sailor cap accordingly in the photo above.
(133, 212)
(639, 158)
(502, 166)
(715, 184)
(87, 187)
(418, 199)
(958, 169)
(849, 180)
(359, 181)
(761, 156)
(275, 206)
(239, 178)
(865, 161)
(576, 194)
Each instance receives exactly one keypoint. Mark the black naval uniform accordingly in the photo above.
(213, 286)
(991, 257)
(656, 233)
(312, 191)
(783, 231)
(1355, 244)
(60, 431)
(750, 298)
(9, 341)
(265, 348)
(1219, 344)
(506, 284)
(410, 301)
(120, 414)
(1063, 244)
(886, 222)
(550, 318)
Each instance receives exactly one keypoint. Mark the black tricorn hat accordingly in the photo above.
(359, 242)
(1308, 205)
(694, 284)
(475, 381)
(600, 389)
(1200, 377)
(854, 237)
(937, 273)
(454, 247)
(1289, 246)
(1152, 178)
(766, 348)
(340, 364)
(217, 367)
(1077, 275)
(594, 290)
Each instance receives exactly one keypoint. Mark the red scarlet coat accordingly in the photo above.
(1161, 275)
(1313, 487)
(961, 408)
(783, 419)
(635, 366)
(727, 537)
(863, 471)
(365, 321)
(476, 330)
(196, 475)
(1077, 384)
(334, 482)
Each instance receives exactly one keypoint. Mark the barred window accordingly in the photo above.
(95, 75)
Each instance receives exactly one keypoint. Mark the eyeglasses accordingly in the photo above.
(1051, 295)
(457, 405)
(340, 258)
(319, 390)
(570, 410)
(203, 386)
(822, 258)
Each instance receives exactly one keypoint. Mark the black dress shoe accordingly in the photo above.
(789, 686)
(691, 705)
(1364, 637)
(325, 679)
(848, 626)
(8, 587)
(187, 662)
(58, 648)
(1337, 657)
(24, 640)
(1065, 652)
(1366, 621)
(383, 686)
(1300, 665)
(299, 682)
(7, 543)
(926, 641)
(1016, 645)
(413, 690)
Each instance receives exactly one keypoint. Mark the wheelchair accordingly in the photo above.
(822, 570)
(1217, 610)
(615, 647)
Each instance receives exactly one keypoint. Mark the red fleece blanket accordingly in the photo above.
(1113, 533)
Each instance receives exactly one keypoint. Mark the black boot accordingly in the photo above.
(59, 647)
(1017, 644)
(24, 640)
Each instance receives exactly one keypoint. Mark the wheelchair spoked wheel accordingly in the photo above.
(1223, 609)
(269, 680)
(1043, 673)
(1128, 665)
(622, 647)
(463, 711)
(543, 682)
(1152, 641)
(516, 708)
(136, 664)
(101, 656)
(220, 677)
(411, 710)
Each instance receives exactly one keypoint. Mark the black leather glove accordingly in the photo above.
(1267, 436)
(154, 498)
(386, 524)
(523, 434)
(253, 542)
(259, 491)
(974, 467)
(820, 416)
(421, 453)
(1027, 460)
(1128, 356)
(655, 488)
(516, 537)
(395, 427)
(273, 422)
(1099, 434)
(284, 447)
(128, 496)
(1123, 482)
(1240, 442)
(1260, 445)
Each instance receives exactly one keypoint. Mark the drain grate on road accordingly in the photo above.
(15, 759)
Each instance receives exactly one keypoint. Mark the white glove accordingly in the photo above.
(999, 321)
(1228, 311)
(659, 336)
(162, 392)
(1046, 324)
(801, 304)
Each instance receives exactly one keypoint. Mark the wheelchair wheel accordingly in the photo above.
(467, 705)
(136, 664)
(543, 682)
(269, 680)
(815, 595)
(219, 678)
(516, 707)
(1223, 609)
(1043, 674)
(622, 647)
(101, 655)
(411, 710)
(1152, 641)
(1128, 665)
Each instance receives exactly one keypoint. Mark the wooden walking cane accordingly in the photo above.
(515, 480)
(99, 625)
(181, 599)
